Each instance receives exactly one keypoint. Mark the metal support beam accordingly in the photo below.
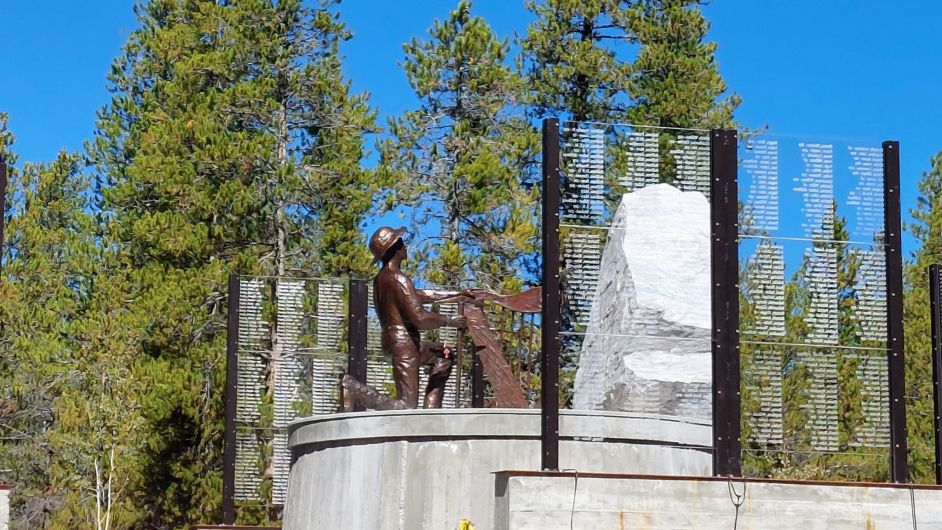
(357, 314)
(549, 360)
(232, 380)
(935, 306)
(724, 256)
(3, 205)
(899, 468)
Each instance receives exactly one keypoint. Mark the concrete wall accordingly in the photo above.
(548, 502)
(418, 469)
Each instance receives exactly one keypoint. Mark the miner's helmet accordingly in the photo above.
(383, 239)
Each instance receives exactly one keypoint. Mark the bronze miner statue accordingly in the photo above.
(402, 316)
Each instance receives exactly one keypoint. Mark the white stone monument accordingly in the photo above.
(647, 344)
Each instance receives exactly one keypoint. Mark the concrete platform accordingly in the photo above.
(563, 501)
(428, 469)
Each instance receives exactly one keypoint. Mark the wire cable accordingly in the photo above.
(912, 504)
(575, 486)
(739, 498)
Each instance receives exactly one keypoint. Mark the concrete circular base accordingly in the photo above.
(428, 469)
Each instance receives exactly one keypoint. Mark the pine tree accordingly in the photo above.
(926, 227)
(674, 80)
(295, 99)
(644, 62)
(573, 59)
(462, 160)
(34, 296)
(100, 430)
(229, 144)
(52, 359)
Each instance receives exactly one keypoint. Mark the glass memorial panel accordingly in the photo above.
(292, 352)
(813, 308)
(635, 269)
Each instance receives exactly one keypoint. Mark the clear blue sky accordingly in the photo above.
(858, 69)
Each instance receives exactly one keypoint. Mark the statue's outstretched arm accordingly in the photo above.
(410, 305)
(428, 296)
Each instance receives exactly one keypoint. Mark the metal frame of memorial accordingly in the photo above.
(248, 329)
(725, 235)
(724, 259)
(718, 175)
(724, 267)
(3, 205)
(550, 319)
(875, 295)
(232, 380)
(357, 317)
(899, 468)
(935, 305)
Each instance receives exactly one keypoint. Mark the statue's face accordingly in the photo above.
(404, 250)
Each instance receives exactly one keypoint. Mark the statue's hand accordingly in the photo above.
(458, 321)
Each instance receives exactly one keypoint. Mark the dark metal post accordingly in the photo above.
(477, 380)
(459, 369)
(724, 256)
(232, 379)
(899, 468)
(549, 361)
(3, 205)
(357, 314)
(935, 306)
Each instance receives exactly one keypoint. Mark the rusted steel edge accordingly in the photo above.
(630, 476)
(507, 391)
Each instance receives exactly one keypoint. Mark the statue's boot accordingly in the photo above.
(438, 377)
(367, 396)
